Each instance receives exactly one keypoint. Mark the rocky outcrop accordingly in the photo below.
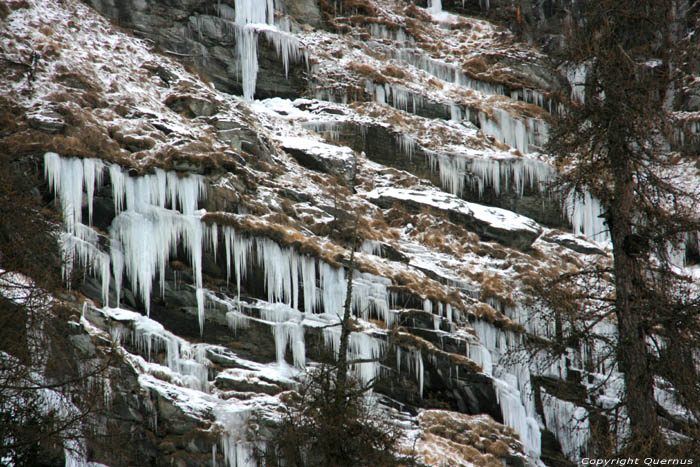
(204, 34)
(489, 223)
(225, 224)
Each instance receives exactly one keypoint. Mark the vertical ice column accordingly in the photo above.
(249, 12)
(67, 178)
(586, 215)
(288, 331)
(238, 451)
(435, 6)
(515, 415)
(360, 347)
(569, 423)
(238, 248)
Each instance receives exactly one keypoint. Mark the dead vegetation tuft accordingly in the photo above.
(369, 72)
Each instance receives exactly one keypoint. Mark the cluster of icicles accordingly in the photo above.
(246, 21)
(157, 213)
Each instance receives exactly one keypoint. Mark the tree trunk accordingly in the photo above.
(633, 357)
(346, 325)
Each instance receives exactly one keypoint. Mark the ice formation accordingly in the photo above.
(499, 174)
(361, 347)
(414, 362)
(586, 214)
(407, 145)
(568, 422)
(149, 337)
(576, 75)
(435, 6)
(524, 135)
(251, 18)
(511, 381)
(287, 330)
(380, 31)
(147, 229)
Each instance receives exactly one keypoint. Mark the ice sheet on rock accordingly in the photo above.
(587, 216)
(188, 361)
(361, 346)
(569, 423)
(251, 18)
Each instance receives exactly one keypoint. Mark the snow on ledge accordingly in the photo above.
(497, 218)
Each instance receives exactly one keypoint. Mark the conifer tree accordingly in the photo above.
(616, 145)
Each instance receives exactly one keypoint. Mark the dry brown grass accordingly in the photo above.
(493, 287)
(369, 72)
(394, 72)
(476, 65)
(380, 324)
(475, 439)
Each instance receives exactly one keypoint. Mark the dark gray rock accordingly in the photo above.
(48, 121)
(304, 11)
(575, 244)
(192, 106)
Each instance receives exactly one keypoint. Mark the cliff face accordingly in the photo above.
(209, 234)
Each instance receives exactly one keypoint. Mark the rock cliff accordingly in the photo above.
(208, 159)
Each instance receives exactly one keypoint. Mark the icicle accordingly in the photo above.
(455, 113)
(308, 279)
(238, 452)
(118, 181)
(501, 174)
(569, 424)
(371, 247)
(237, 248)
(365, 347)
(287, 331)
(407, 145)
(452, 171)
(65, 178)
(93, 173)
(251, 16)
(370, 296)
(586, 215)
(360, 347)
(333, 287)
(276, 263)
(418, 368)
(287, 46)
(435, 6)
(68, 177)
